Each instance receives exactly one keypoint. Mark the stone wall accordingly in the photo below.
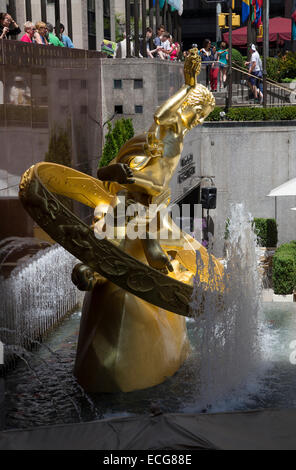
(144, 83)
(247, 160)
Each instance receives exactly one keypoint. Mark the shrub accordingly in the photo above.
(215, 115)
(273, 69)
(266, 230)
(284, 269)
(285, 113)
(287, 65)
(237, 58)
(122, 132)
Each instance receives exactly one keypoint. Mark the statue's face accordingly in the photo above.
(193, 61)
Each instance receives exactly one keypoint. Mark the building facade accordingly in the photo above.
(87, 22)
(199, 18)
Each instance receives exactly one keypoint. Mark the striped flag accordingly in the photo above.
(245, 10)
(259, 5)
(294, 21)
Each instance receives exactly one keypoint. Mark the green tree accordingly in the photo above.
(122, 131)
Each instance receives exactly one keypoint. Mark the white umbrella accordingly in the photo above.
(286, 189)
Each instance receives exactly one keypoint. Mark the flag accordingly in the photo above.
(161, 3)
(294, 21)
(245, 10)
(253, 11)
(258, 20)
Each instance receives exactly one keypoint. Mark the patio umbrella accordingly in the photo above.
(286, 189)
(279, 30)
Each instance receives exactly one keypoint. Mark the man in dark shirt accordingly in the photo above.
(8, 26)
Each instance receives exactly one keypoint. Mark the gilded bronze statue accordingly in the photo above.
(133, 332)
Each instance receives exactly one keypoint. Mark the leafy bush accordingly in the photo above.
(273, 69)
(284, 269)
(215, 115)
(266, 230)
(237, 58)
(285, 113)
(287, 65)
(122, 132)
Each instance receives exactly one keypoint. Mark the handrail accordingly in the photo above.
(271, 82)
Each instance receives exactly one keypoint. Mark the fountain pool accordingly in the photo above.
(241, 356)
(50, 395)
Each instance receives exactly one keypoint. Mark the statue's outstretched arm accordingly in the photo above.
(118, 172)
(167, 113)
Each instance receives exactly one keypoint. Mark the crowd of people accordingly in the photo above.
(217, 58)
(216, 70)
(162, 46)
(39, 33)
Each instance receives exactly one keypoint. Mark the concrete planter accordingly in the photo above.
(283, 298)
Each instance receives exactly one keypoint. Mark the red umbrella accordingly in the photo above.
(279, 30)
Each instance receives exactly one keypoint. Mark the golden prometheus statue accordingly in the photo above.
(133, 333)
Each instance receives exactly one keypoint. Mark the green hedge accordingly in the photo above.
(284, 269)
(266, 230)
(285, 113)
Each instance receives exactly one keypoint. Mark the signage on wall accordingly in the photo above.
(187, 173)
(187, 160)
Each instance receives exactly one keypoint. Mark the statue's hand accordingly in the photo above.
(83, 277)
(124, 174)
(119, 172)
(192, 67)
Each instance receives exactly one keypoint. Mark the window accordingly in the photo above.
(118, 109)
(139, 109)
(118, 84)
(83, 84)
(138, 83)
(91, 17)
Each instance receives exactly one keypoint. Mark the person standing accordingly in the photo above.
(214, 72)
(65, 39)
(52, 39)
(40, 35)
(206, 53)
(255, 70)
(29, 32)
(8, 26)
(223, 63)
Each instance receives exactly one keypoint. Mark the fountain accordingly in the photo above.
(36, 296)
(133, 318)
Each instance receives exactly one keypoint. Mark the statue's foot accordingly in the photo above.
(156, 257)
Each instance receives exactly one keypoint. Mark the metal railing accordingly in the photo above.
(277, 94)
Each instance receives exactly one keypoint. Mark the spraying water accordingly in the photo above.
(228, 330)
(37, 295)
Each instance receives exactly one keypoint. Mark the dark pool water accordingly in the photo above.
(42, 390)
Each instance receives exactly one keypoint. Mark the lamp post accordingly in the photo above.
(265, 48)
(230, 56)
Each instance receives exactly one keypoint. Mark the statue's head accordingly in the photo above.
(192, 64)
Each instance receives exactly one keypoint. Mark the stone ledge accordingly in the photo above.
(250, 124)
